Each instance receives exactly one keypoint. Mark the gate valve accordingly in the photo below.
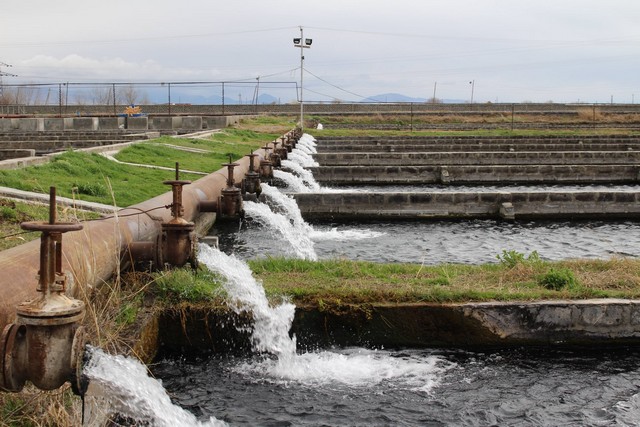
(179, 240)
(230, 202)
(274, 156)
(46, 344)
(266, 165)
(251, 181)
(282, 151)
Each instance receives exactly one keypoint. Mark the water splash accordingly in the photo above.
(333, 233)
(303, 173)
(246, 294)
(307, 145)
(288, 205)
(296, 234)
(303, 159)
(124, 383)
(352, 367)
(289, 223)
(294, 183)
(308, 141)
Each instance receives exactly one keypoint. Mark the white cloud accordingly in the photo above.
(513, 49)
(81, 68)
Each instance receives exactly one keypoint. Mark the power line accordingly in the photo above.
(323, 94)
(2, 64)
(631, 39)
(337, 87)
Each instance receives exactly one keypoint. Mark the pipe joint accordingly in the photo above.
(230, 204)
(176, 244)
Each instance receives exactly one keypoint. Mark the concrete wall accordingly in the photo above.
(561, 323)
(482, 175)
(466, 205)
(16, 153)
(331, 108)
(54, 124)
(479, 158)
(414, 325)
(54, 141)
(384, 147)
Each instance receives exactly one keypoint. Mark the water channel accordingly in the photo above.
(277, 385)
(508, 387)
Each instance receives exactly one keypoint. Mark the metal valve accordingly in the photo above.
(46, 344)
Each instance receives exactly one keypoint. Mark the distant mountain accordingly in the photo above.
(188, 98)
(398, 97)
(393, 97)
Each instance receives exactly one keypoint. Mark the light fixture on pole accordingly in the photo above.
(302, 43)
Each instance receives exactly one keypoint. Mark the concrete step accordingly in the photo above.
(467, 205)
(399, 140)
(430, 147)
(476, 175)
(478, 158)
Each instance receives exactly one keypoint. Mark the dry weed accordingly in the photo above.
(37, 408)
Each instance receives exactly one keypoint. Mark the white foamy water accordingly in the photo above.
(296, 235)
(291, 210)
(288, 205)
(354, 367)
(125, 384)
(302, 158)
(303, 173)
(308, 141)
(341, 235)
(294, 183)
(246, 294)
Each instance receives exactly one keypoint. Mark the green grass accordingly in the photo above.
(221, 145)
(339, 281)
(342, 281)
(12, 213)
(185, 285)
(91, 177)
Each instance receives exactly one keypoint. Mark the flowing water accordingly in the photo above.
(278, 386)
(130, 392)
(304, 174)
(278, 366)
(430, 243)
(510, 387)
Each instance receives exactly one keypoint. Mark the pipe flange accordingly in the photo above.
(79, 381)
(178, 225)
(12, 379)
(53, 310)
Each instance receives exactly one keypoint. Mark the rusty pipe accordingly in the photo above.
(93, 254)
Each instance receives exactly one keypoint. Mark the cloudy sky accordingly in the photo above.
(512, 50)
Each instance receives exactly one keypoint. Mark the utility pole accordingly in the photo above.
(302, 43)
(473, 85)
(2, 73)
